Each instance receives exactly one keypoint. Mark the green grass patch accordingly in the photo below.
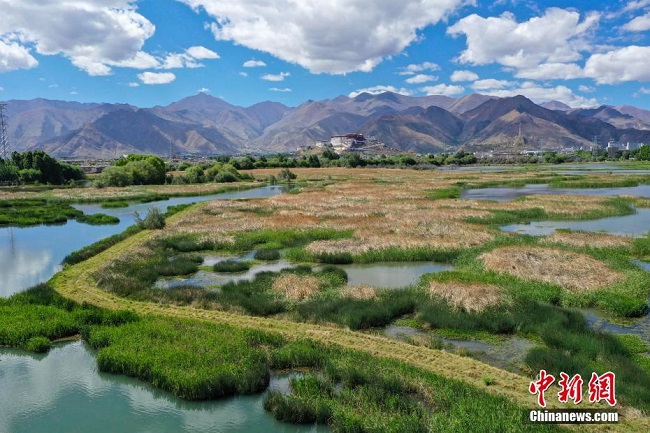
(114, 204)
(31, 319)
(355, 392)
(268, 254)
(231, 266)
(98, 219)
(23, 213)
(444, 193)
(192, 360)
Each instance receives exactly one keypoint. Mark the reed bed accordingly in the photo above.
(569, 270)
(473, 297)
(359, 291)
(590, 240)
(296, 287)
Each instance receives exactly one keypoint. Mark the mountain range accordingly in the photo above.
(203, 124)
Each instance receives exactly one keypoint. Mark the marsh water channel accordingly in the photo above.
(636, 224)
(63, 390)
(32, 255)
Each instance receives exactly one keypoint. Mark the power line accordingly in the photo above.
(4, 138)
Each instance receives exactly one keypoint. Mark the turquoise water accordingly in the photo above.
(63, 392)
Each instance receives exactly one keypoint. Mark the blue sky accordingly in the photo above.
(154, 52)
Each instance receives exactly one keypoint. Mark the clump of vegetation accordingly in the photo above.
(114, 204)
(567, 269)
(192, 360)
(467, 296)
(98, 219)
(31, 319)
(296, 287)
(268, 254)
(286, 175)
(133, 170)
(231, 266)
(155, 219)
(23, 213)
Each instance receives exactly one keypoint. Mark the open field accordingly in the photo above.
(342, 216)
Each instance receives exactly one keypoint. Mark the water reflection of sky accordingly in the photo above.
(63, 392)
(628, 225)
(32, 255)
(507, 194)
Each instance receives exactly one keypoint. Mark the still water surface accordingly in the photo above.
(63, 392)
(32, 255)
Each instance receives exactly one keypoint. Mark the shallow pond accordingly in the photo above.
(507, 193)
(32, 255)
(599, 321)
(63, 392)
(628, 225)
(208, 278)
(508, 354)
(390, 275)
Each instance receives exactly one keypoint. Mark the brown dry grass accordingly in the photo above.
(294, 287)
(597, 240)
(572, 271)
(473, 297)
(360, 291)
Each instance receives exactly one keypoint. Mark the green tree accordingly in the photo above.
(643, 154)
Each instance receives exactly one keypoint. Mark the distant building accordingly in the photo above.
(341, 143)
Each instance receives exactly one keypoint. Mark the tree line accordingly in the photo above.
(36, 166)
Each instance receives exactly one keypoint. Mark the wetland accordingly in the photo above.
(473, 301)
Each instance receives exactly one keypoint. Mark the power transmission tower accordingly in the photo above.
(4, 138)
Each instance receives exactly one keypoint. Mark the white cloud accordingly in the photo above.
(490, 83)
(376, 90)
(539, 93)
(243, 74)
(325, 36)
(156, 77)
(133, 84)
(556, 37)
(276, 89)
(458, 76)
(586, 89)
(2, 89)
(443, 89)
(635, 5)
(53, 86)
(413, 69)
(644, 91)
(253, 64)
(203, 90)
(638, 24)
(275, 77)
(201, 53)
(15, 56)
(188, 59)
(421, 78)
(93, 34)
(619, 65)
(552, 71)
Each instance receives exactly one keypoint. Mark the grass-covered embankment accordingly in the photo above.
(32, 319)
(200, 360)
